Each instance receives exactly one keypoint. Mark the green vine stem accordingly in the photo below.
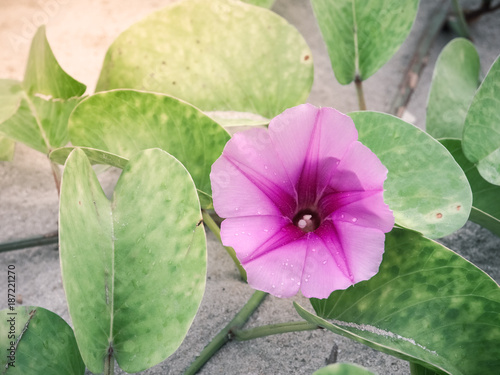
(460, 24)
(359, 91)
(226, 333)
(273, 329)
(48, 239)
(214, 228)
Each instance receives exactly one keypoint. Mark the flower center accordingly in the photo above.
(307, 220)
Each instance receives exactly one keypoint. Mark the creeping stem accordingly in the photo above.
(462, 28)
(359, 90)
(214, 228)
(225, 334)
(273, 329)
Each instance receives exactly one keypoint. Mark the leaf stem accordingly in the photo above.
(56, 172)
(273, 329)
(460, 23)
(359, 90)
(109, 364)
(214, 228)
(48, 239)
(225, 334)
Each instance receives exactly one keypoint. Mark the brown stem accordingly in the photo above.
(56, 173)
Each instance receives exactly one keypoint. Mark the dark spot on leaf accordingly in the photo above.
(439, 215)
(199, 222)
(306, 57)
(163, 62)
(197, 41)
(80, 203)
(459, 207)
(173, 82)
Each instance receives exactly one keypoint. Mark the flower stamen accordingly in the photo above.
(307, 220)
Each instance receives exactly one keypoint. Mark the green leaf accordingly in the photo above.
(220, 55)
(425, 187)
(454, 83)
(481, 138)
(44, 75)
(35, 112)
(133, 269)
(43, 343)
(11, 93)
(10, 98)
(126, 121)
(485, 203)
(40, 123)
(416, 369)
(361, 36)
(261, 3)
(427, 305)
(343, 369)
(6, 149)
(95, 156)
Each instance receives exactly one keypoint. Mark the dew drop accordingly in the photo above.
(249, 233)
(313, 250)
(324, 262)
(354, 219)
(274, 286)
(342, 216)
(293, 279)
(266, 230)
(265, 166)
(282, 284)
(236, 234)
(298, 283)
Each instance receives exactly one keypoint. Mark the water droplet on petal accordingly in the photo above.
(298, 283)
(274, 286)
(236, 234)
(354, 219)
(265, 166)
(342, 216)
(324, 262)
(293, 279)
(266, 230)
(313, 250)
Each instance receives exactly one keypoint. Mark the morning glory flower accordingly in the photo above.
(303, 203)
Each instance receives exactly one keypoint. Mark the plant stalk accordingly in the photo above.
(226, 333)
(461, 25)
(48, 239)
(56, 173)
(273, 329)
(109, 364)
(359, 91)
(214, 228)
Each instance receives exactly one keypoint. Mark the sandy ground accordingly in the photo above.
(79, 33)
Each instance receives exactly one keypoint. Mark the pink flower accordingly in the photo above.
(303, 203)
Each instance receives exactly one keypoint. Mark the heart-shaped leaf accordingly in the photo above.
(485, 203)
(425, 187)
(126, 121)
(44, 75)
(35, 111)
(343, 369)
(361, 36)
(454, 83)
(481, 138)
(220, 55)
(133, 269)
(427, 305)
(37, 341)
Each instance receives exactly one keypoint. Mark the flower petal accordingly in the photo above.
(251, 236)
(323, 268)
(306, 137)
(251, 156)
(365, 208)
(359, 169)
(235, 195)
(278, 272)
(363, 249)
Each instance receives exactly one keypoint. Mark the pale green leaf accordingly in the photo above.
(481, 137)
(37, 341)
(123, 122)
(133, 269)
(454, 83)
(425, 187)
(221, 55)
(360, 35)
(44, 75)
(485, 196)
(343, 369)
(427, 305)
